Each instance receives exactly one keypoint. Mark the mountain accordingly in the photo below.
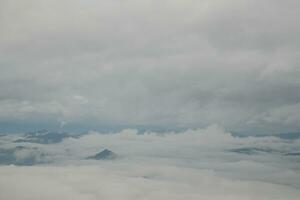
(104, 155)
(43, 137)
(252, 150)
(31, 156)
(293, 154)
(289, 136)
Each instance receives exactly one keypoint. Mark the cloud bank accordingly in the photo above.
(138, 182)
(271, 160)
(207, 163)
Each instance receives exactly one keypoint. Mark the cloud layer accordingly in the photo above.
(268, 159)
(139, 182)
(203, 164)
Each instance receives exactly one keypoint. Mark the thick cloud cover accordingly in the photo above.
(208, 164)
(93, 182)
(152, 65)
(168, 63)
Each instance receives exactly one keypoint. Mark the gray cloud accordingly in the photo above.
(166, 63)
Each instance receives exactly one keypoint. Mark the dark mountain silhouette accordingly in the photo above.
(43, 137)
(8, 156)
(104, 155)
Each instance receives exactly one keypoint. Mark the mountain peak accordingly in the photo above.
(104, 155)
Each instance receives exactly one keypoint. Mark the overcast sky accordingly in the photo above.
(167, 63)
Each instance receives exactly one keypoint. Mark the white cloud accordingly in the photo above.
(208, 148)
(137, 182)
(194, 164)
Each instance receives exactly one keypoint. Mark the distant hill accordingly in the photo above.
(34, 156)
(293, 154)
(104, 155)
(289, 136)
(285, 136)
(43, 137)
(252, 150)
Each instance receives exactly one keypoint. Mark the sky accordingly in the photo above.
(168, 64)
